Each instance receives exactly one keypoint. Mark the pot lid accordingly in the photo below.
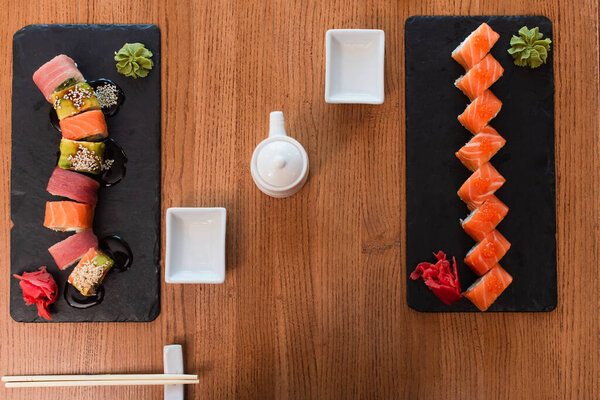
(279, 163)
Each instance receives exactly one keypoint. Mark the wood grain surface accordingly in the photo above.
(314, 300)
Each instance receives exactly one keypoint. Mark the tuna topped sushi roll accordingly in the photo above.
(82, 156)
(484, 219)
(74, 186)
(480, 77)
(56, 75)
(480, 186)
(89, 125)
(90, 271)
(74, 100)
(480, 112)
(485, 290)
(475, 46)
(67, 252)
(68, 216)
(485, 254)
(481, 148)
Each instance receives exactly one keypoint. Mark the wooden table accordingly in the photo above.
(314, 302)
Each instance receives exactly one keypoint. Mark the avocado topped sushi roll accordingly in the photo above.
(82, 156)
(74, 100)
(90, 271)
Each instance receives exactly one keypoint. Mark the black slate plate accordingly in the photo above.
(130, 209)
(434, 174)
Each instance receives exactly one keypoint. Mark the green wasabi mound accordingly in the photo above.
(134, 60)
(529, 49)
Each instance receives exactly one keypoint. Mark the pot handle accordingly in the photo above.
(276, 124)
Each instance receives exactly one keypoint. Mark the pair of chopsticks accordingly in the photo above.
(98, 380)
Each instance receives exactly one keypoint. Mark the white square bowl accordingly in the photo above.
(195, 245)
(354, 66)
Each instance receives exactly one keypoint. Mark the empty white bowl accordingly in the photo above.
(354, 66)
(195, 245)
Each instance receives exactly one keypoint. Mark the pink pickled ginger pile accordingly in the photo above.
(442, 280)
(39, 288)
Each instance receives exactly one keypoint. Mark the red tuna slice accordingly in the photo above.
(69, 251)
(73, 185)
(39, 288)
(55, 72)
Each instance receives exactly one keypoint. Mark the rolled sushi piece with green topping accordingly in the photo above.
(82, 156)
(74, 100)
(91, 270)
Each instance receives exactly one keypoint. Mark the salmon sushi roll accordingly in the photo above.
(68, 216)
(479, 78)
(90, 126)
(56, 75)
(480, 112)
(480, 186)
(485, 290)
(475, 46)
(480, 148)
(484, 219)
(485, 254)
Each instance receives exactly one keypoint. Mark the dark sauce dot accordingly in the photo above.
(116, 172)
(77, 300)
(117, 249)
(111, 110)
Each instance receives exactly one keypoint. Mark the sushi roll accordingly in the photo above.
(485, 290)
(481, 148)
(57, 74)
(480, 186)
(74, 100)
(81, 156)
(484, 219)
(485, 254)
(90, 271)
(67, 252)
(480, 77)
(68, 216)
(74, 186)
(89, 126)
(481, 111)
(475, 46)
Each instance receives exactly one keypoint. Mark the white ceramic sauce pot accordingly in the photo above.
(279, 163)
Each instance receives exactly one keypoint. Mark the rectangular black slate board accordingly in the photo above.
(434, 174)
(130, 209)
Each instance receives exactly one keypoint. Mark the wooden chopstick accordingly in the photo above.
(102, 377)
(121, 382)
(98, 380)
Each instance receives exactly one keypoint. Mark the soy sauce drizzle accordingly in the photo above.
(116, 172)
(113, 109)
(77, 300)
(117, 249)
